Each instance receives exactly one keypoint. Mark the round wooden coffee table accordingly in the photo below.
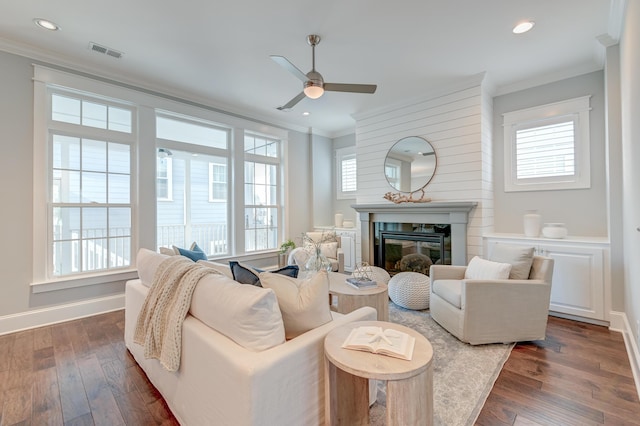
(349, 299)
(347, 373)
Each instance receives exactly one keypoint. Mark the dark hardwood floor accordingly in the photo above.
(579, 375)
(80, 373)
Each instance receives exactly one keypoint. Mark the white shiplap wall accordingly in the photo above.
(458, 125)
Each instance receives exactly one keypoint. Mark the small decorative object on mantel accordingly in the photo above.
(399, 198)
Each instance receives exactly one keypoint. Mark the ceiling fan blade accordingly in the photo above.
(356, 88)
(292, 102)
(284, 63)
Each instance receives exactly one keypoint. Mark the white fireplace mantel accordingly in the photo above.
(454, 213)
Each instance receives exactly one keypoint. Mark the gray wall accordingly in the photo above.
(583, 210)
(299, 183)
(630, 94)
(343, 206)
(16, 190)
(322, 192)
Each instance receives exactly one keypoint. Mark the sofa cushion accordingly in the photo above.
(519, 257)
(304, 303)
(481, 269)
(449, 290)
(147, 261)
(247, 275)
(223, 269)
(248, 315)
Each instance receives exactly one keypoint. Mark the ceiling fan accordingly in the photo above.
(314, 85)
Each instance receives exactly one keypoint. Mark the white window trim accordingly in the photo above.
(42, 280)
(576, 109)
(341, 153)
(148, 105)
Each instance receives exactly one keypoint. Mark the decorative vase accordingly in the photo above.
(338, 220)
(318, 262)
(532, 222)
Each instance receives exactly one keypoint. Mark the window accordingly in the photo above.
(90, 204)
(261, 183)
(547, 147)
(346, 173)
(198, 177)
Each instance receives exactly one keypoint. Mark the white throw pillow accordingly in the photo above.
(304, 303)
(329, 250)
(481, 269)
(520, 259)
(246, 314)
(168, 251)
(147, 261)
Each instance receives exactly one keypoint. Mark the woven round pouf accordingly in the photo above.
(410, 290)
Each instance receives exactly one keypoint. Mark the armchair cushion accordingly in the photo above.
(520, 259)
(449, 290)
(481, 269)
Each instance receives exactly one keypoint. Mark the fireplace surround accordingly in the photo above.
(453, 213)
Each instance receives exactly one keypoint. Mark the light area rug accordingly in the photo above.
(463, 375)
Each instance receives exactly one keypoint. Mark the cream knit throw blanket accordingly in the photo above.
(159, 325)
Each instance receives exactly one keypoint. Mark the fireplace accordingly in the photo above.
(407, 247)
(451, 219)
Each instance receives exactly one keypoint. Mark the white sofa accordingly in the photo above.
(220, 382)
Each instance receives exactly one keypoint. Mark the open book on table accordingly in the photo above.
(380, 341)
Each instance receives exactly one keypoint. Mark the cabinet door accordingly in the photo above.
(578, 286)
(348, 244)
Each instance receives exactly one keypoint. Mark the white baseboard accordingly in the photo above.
(56, 314)
(620, 322)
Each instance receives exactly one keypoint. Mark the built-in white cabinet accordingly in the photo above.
(348, 244)
(580, 286)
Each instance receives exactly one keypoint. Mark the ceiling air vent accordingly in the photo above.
(105, 50)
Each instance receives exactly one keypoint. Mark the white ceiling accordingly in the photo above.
(217, 52)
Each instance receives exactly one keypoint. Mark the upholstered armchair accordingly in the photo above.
(329, 244)
(479, 311)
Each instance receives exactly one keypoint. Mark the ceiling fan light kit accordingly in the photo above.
(313, 85)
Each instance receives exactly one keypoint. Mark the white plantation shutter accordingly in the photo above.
(547, 147)
(349, 173)
(545, 151)
(346, 173)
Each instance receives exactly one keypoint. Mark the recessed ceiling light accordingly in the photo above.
(523, 27)
(306, 113)
(46, 24)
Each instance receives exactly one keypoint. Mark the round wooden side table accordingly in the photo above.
(347, 372)
(349, 299)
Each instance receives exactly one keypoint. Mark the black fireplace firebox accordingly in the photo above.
(409, 251)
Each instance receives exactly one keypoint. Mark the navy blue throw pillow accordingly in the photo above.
(245, 275)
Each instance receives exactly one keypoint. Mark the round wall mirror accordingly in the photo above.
(410, 164)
